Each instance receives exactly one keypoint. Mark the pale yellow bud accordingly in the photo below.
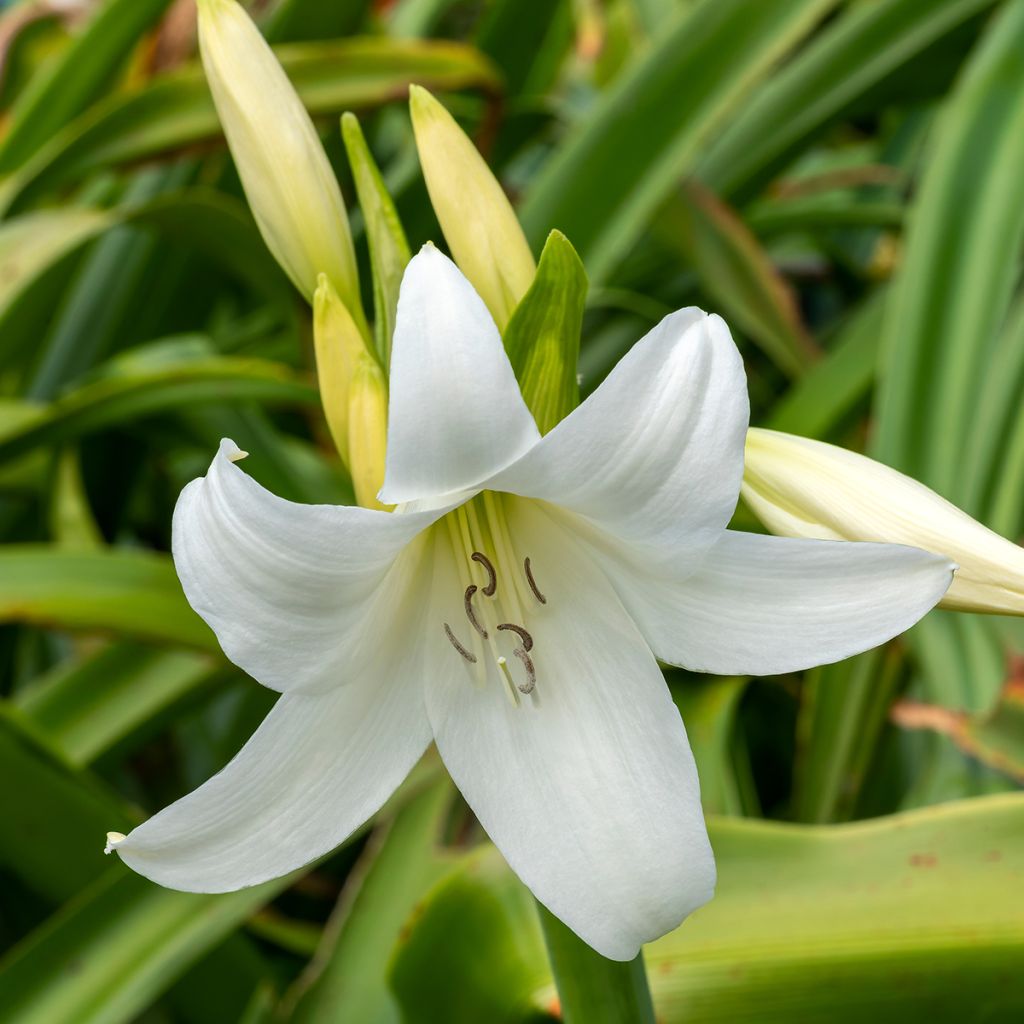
(803, 488)
(367, 430)
(353, 391)
(291, 188)
(476, 217)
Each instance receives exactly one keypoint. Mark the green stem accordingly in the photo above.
(591, 989)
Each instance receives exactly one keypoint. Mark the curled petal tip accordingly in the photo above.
(114, 839)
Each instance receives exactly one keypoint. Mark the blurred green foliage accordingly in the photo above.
(841, 180)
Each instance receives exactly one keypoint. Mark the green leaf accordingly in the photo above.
(78, 76)
(604, 184)
(389, 250)
(55, 818)
(831, 390)
(737, 273)
(135, 387)
(175, 110)
(105, 956)
(843, 709)
(131, 592)
(808, 923)
(543, 336)
(709, 706)
(474, 951)
(347, 979)
(957, 279)
(859, 49)
(88, 706)
(34, 243)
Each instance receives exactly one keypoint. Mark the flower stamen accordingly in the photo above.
(531, 672)
(533, 583)
(523, 635)
(468, 602)
(492, 584)
(470, 657)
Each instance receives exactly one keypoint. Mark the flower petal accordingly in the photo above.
(590, 792)
(317, 768)
(762, 605)
(652, 461)
(456, 414)
(300, 596)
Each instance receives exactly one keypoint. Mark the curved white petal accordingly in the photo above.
(590, 792)
(763, 605)
(299, 596)
(456, 414)
(317, 768)
(652, 461)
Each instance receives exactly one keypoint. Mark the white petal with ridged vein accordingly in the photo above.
(591, 793)
(302, 597)
(317, 768)
(456, 415)
(651, 462)
(762, 605)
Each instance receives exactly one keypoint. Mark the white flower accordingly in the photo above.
(803, 488)
(512, 611)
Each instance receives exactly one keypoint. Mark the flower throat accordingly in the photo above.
(495, 605)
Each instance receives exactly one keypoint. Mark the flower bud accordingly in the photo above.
(803, 488)
(353, 391)
(476, 217)
(291, 188)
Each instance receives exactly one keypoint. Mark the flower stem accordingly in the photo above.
(592, 989)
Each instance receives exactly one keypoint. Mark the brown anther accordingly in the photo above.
(470, 657)
(533, 583)
(531, 672)
(492, 583)
(523, 635)
(468, 602)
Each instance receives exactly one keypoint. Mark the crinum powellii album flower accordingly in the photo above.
(511, 609)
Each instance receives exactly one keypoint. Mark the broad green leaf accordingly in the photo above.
(138, 389)
(76, 77)
(347, 979)
(131, 592)
(299, 20)
(738, 274)
(389, 250)
(34, 243)
(954, 288)
(86, 707)
(55, 818)
(809, 923)
(859, 49)
(175, 110)
(474, 951)
(543, 337)
(105, 956)
(621, 162)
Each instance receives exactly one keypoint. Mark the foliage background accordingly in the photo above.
(841, 180)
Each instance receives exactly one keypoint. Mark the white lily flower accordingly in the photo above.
(803, 488)
(511, 610)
